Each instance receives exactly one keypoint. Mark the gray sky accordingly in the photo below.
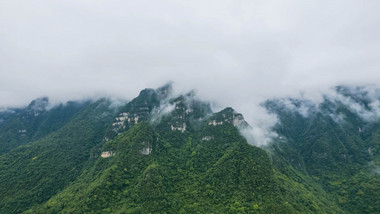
(237, 53)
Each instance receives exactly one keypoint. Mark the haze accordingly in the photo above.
(234, 53)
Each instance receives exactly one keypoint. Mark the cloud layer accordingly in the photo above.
(235, 53)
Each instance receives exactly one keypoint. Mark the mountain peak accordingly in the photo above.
(165, 91)
(38, 105)
(228, 116)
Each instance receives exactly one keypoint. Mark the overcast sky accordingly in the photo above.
(237, 53)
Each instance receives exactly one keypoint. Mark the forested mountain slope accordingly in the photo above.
(161, 153)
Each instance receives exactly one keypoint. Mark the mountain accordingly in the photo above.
(163, 153)
(336, 144)
(21, 126)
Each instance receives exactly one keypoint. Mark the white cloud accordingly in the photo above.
(236, 53)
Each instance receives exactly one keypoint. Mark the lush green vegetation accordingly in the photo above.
(33, 173)
(34, 122)
(339, 156)
(222, 175)
(188, 161)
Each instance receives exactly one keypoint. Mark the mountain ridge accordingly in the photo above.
(162, 153)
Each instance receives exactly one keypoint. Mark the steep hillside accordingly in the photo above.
(34, 172)
(161, 153)
(21, 126)
(211, 171)
(334, 145)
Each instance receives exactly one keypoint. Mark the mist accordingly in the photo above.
(233, 53)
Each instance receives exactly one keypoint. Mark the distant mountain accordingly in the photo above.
(24, 125)
(161, 153)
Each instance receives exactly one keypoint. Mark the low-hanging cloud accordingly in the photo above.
(234, 53)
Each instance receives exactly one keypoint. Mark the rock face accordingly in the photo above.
(228, 116)
(171, 113)
(207, 138)
(180, 113)
(146, 151)
(186, 114)
(107, 154)
(125, 119)
(135, 111)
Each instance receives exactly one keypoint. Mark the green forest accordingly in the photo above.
(92, 157)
